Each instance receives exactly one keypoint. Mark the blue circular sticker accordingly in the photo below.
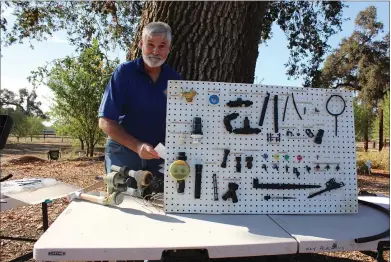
(214, 99)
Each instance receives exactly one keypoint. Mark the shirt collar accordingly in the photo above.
(140, 65)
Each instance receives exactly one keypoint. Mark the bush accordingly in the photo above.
(379, 160)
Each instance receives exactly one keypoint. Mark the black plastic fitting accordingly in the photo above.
(247, 130)
(197, 126)
(231, 193)
(238, 164)
(296, 171)
(227, 121)
(319, 137)
(239, 103)
(249, 162)
(226, 153)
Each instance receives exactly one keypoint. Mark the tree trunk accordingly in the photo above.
(212, 41)
(91, 150)
(88, 148)
(81, 143)
(366, 137)
(17, 139)
(31, 138)
(380, 129)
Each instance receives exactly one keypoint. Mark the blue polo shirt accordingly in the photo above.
(138, 104)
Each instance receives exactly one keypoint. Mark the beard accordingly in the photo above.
(153, 61)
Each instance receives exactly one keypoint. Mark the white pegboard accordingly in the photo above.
(334, 150)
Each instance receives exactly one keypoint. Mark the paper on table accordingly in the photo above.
(161, 150)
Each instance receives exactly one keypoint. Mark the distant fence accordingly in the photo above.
(374, 144)
(44, 138)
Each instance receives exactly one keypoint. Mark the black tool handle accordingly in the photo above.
(264, 107)
(197, 189)
(180, 186)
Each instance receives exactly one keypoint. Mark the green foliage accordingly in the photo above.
(307, 25)
(78, 85)
(109, 21)
(385, 105)
(25, 101)
(363, 119)
(35, 126)
(20, 127)
(361, 61)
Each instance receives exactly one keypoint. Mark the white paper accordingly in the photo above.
(161, 150)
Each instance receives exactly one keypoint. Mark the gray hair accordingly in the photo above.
(157, 28)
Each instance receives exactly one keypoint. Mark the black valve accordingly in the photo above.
(197, 126)
(337, 167)
(308, 169)
(131, 182)
(238, 165)
(182, 156)
(231, 193)
(239, 103)
(249, 162)
(327, 167)
(319, 137)
(228, 119)
(264, 167)
(181, 183)
(224, 163)
(286, 168)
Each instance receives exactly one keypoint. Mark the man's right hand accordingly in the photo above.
(146, 151)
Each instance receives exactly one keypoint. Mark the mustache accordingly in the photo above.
(154, 56)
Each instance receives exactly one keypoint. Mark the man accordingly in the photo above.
(133, 109)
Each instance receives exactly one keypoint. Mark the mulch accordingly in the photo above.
(26, 221)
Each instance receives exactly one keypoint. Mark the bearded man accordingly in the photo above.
(133, 108)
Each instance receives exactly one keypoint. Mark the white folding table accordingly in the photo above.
(134, 231)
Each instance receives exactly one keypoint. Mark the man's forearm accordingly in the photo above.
(118, 134)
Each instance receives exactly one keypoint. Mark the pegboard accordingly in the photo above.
(334, 157)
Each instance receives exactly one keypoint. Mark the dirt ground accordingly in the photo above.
(26, 221)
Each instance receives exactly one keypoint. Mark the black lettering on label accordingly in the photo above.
(56, 253)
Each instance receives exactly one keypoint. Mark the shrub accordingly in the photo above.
(379, 160)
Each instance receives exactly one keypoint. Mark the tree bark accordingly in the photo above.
(91, 146)
(380, 129)
(88, 148)
(366, 137)
(81, 143)
(212, 41)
